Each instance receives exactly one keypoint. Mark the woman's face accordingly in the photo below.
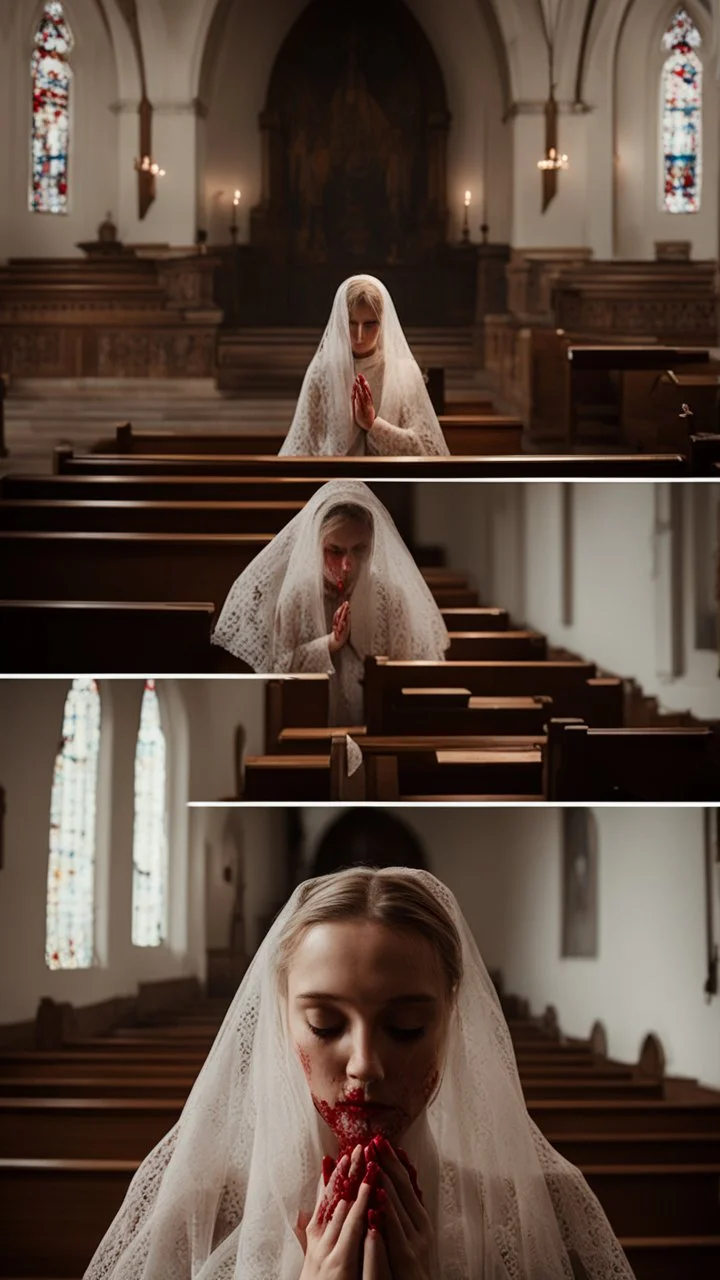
(368, 1011)
(345, 548)
(364, 329)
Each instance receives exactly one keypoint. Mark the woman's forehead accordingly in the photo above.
(349, 957)
(362, 311)
(346, 527)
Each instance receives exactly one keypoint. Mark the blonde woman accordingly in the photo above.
(360, 1117)
(335, 586)
(363, 391)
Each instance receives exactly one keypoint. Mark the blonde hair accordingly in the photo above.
(367, 292)
(346, 511)
(394, 898)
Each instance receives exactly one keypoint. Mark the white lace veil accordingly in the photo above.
(277, 605)
(218, 1198)
(323, 422)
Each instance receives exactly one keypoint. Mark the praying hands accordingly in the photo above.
(340, 633)
(369, 1212)
(362, 403)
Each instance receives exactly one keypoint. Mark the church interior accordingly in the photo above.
(601, 941)
(536, 183)
(185, 186)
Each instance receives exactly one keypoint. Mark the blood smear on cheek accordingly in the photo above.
(304, 1060)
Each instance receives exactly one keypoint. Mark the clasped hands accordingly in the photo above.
(362, 403)
(340, 633)
(369, 1222)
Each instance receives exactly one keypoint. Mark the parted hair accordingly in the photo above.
(391, 897)
(365, 291)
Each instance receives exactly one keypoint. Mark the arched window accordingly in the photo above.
(149, 900)
(681, 116)
(51, 77)
(70, 908)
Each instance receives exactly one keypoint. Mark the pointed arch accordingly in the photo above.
(70, 900)
(51, 77)
(150, 840)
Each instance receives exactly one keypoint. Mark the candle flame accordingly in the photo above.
(468, 198)
(236, 198)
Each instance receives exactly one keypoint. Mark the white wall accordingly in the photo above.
(199, 718)
(508, 538)
(481, 525)
(504, 865)
(639, 60)
(618, 588)
(93, 168)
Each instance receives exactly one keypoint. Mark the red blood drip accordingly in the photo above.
(340, 584)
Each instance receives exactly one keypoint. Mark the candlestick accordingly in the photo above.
(466, 223)
(234, 223)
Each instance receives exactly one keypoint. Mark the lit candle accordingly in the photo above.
(466, 221)
(236, 201)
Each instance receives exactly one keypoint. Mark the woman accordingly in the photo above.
(335, 585)
(363, 391)
(360, 1115)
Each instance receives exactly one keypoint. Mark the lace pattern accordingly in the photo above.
(218, 1198)
(323, 423)
(277, 615)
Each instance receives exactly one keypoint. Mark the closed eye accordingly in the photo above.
(396, 1033)
(324, 1033)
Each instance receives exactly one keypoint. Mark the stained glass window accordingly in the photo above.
(51, 78)
(681, 116)
(69, 936)
(149, 900)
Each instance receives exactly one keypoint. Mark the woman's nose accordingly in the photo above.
(364, 1064)
(346, 564)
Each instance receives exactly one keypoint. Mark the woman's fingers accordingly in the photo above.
(398, 1176)
(376, 1265)
(331, 1192)
(390, 1200)
(353, 1228)
(396, 1234)
(336, 1219)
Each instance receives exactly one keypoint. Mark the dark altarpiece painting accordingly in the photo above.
(354, 138)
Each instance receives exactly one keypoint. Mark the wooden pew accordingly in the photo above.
(38, 636)
(501, 646)
(121, 516)
(158, 488)
(177, 568)
(563, 1117)
(512, 466)
(705, 454)
(619, 374)
(418, 768)
(465, 433)
(566, 683)
(650, 1200)
(79, 1200)
(86, 1128)
(299, 778)
(630, 764)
